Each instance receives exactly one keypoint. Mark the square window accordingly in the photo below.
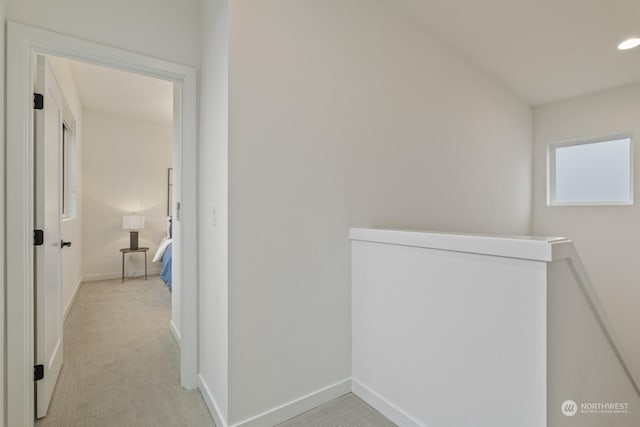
(591, 172)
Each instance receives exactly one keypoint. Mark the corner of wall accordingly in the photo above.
(2, 209)
(213, 379)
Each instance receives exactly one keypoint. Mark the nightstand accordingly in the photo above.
(128, 251)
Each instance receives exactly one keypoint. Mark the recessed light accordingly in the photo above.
(629, 44)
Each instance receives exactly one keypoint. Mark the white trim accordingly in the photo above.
(22, 42)
(551, 169)
(280, 413)
(213, 407)
(523, 247)
(67, 309)
(69, 121)
(297, 406)
(19, 221)
(186, 255)
(567, 250)
(382, 405)
(3, 277)
(175, 333)
(554, 204)
(112, 276)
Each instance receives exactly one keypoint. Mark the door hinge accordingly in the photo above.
(38, 237)
(38, 101)
(38, 372)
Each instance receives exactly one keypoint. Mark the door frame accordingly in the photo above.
(22, 43)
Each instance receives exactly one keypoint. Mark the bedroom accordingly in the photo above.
(116, 167)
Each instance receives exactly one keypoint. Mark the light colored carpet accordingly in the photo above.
(121, 362)
(121, 367)
(346, 411)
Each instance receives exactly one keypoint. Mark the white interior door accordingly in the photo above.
(48, 278)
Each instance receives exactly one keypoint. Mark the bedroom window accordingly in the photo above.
(68, 172)
(591, 172)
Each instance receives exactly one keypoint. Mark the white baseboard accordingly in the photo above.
(382, 405)
(175, 333)
(67, 309)
(298, 406)
(118, 275)
(214, 409)
(101, 276)
(281, 413)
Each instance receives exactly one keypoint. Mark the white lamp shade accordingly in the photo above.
(132, 222)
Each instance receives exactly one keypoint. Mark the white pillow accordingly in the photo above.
(163, 247)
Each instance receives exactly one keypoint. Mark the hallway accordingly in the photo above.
(121, 361)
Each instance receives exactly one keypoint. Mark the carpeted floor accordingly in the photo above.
(121, 361)
(346, 411)
(121, 367)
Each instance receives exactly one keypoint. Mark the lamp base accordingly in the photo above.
(133, 240)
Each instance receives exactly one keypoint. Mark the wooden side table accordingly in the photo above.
(128, 251)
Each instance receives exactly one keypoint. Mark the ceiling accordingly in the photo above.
(543, 50)
(127, 94)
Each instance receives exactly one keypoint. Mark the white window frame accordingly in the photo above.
(68, 195)
(551, 169)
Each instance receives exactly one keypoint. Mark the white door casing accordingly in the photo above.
(22, 43)
(47, 258)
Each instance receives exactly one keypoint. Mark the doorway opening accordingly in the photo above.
(23, 45)
(111, 133)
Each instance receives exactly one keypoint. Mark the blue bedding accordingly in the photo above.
(165, 272)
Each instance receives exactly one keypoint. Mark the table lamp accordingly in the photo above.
(133, 223)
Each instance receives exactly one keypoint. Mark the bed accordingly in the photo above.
(164, 255)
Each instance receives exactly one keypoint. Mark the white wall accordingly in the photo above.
(125, 166)
(166, 29)
(71, 229)
(444, 330)
(606, 237)
(577, 344)
(212, 195)
(346, 113)
(2, 209)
